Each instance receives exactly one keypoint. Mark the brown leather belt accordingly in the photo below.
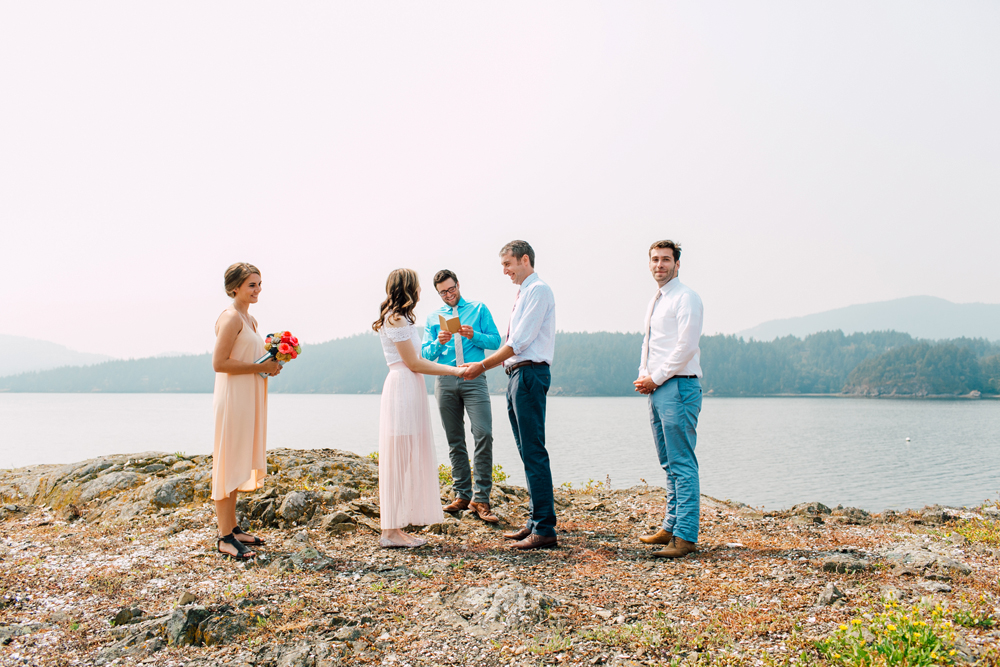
(510, 369)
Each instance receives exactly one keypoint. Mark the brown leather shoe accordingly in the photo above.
(482, 510)
(517, 535)
(535, 542)
(659, 537)
(677, 548)
(457, 505)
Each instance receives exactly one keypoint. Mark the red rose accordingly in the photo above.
(284, 348)
(293, 341)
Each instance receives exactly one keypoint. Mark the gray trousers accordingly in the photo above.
(456, 396)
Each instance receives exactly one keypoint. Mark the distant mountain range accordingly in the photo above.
(599, 364)
(355, 364)
(925, 317)
(27, 354)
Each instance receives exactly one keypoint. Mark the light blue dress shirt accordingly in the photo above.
(484, 337)
(532, 332)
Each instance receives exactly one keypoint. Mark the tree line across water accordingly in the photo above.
(600, 364)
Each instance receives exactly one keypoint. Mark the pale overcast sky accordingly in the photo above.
(808, 156)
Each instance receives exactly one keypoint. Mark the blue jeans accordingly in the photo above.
(526, 391)
(673, 414)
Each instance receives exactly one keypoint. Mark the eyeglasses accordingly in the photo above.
(448, 292)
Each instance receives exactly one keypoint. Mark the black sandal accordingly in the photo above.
(257, 542)
(242, 553)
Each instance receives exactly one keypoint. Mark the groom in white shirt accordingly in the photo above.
(526, 356)
(669, 373)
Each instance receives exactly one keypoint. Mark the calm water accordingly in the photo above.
(763, 451)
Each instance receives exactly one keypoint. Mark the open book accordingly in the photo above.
(454, 325)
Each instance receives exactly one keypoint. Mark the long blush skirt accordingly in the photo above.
(407, 466)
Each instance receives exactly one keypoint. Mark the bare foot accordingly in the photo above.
(414, 541)
(397, 539)
(391, 539)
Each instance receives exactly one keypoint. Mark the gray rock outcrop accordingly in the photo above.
(171, 492)
(844, 563)
(921, 561)
(830, 595)
(500, 607)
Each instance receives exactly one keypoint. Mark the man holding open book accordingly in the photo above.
(460, 332)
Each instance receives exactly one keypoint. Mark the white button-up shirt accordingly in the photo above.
(673, 330)
(532, 330)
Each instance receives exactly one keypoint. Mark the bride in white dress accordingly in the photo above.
(407, 466)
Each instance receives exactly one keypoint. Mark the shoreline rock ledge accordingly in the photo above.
(112, 561)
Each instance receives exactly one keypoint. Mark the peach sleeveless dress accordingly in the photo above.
(240, 402)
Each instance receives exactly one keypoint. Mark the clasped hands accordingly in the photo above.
(471, 371)
(465, 371)
(645, 385)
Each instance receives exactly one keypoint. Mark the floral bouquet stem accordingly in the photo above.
(281, 346)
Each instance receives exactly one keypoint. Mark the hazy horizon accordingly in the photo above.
(808, 157)
(792, 322)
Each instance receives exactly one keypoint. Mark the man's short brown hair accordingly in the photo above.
(443, 275)
(676, 247)
(519, 249)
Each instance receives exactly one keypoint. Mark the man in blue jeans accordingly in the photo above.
(669, 373)
(526, 356)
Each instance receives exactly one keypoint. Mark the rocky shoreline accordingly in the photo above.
(112, 561)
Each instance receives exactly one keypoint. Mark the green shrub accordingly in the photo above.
(444, 475)
(985, 531)
(893, 637)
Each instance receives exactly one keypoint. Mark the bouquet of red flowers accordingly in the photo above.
(282, 346)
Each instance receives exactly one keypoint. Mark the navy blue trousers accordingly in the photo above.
(526, 391)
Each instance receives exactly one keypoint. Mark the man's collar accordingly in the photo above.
(530, 279)
(671, 284)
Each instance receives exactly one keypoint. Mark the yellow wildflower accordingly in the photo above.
(891, 627)
(843, 627)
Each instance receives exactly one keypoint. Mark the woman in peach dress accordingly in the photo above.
(240, 402)
(407, 466)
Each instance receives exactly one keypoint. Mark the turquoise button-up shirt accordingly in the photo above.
(472, 313)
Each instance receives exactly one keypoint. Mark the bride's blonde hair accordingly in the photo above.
(401, 296)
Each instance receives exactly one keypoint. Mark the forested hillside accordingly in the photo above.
(600, 364)
(924, 369)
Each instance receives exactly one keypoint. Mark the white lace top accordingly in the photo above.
(392, 335)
